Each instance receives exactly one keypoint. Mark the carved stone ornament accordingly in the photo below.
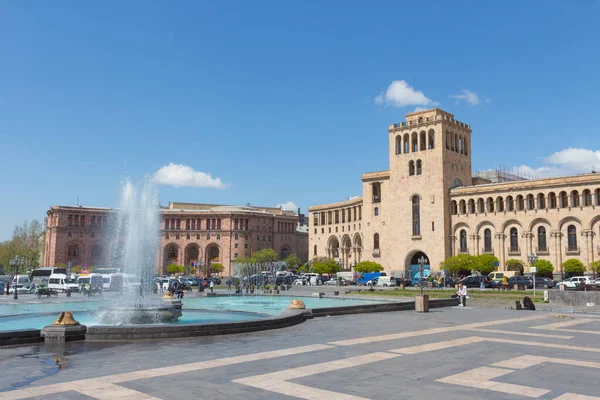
(65, 318)
(297, 304)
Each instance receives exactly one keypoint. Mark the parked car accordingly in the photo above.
(596, 282)
(332, 282)
(575, 281)
(474, 281)
(546, 283)
(526, 281)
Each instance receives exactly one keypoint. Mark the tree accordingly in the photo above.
(595, 266)
(515, 265)
(173, 269)
(461, 264)
(265, 255)
(325, 266)
(573, 267)
(484, 263)
(26, 242)
(7, 251)
(292, 261)
(544, 268)
(368, 266)
(217, 268)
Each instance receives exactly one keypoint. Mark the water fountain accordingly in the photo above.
(136, 228)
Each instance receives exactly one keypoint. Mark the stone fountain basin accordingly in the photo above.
(139, 315)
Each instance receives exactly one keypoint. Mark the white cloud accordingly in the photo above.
(290, 205)
(565, 162)
(575, 158)
(467, 95)
(182, 175)
(401, 94)
(419, 109)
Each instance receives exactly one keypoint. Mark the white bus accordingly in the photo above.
(106, 274)
(42, 275)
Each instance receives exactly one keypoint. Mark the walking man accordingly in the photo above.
(211, 286)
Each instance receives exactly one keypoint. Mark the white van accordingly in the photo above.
(61, 283)
(22, 283)
(497, 276)
(386, 281)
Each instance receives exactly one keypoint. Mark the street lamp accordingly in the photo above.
(422, 261)
(15, 263)
(532, 258)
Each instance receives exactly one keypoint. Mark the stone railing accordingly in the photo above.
(514, 251)
(572, 251)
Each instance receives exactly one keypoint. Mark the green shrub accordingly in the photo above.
(484, 263)
(595, 266)
(368, 266)
(544, 268)
(461, 264)
(267, 287)
(573, 267)
(515, 265)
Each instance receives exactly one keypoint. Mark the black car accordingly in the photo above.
(284, 280)
(475, 281)
(545, 283)
(526, 281)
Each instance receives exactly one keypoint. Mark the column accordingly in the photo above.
(556, 235)
(588, 246)
(453, 245)
(528, 249)
(501, 250)
(474, 244)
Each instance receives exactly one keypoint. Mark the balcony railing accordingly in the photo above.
(376, 199)
(542, 251)
(376, 253)
(572, 251)
(489, 250)
(514, 251)
(463, 251)
(598, 250)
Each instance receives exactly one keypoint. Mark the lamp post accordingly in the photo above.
(422, 261)
(15, 263)
(532, 258)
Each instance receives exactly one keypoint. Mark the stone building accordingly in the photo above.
(189, 232)
(429, 204)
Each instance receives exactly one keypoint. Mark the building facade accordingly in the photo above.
(189, 232)
(429, 204)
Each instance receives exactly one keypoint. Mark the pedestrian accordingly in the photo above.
(482, 284)
(439, 282)
(463, 295)
(211, 286)
(162, 288)
(229, 284)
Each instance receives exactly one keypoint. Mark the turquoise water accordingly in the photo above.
(37, 321)
(265, 304)
(200, 310)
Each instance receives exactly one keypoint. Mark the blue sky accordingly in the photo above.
(277, 99)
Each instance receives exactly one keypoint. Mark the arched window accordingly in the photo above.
(453, 208)
(541, 237)
(315, 250)
(406, 143)
(564, 202)
(398, 144)
(574, 198)
(500, 204)
(97, 252)
(587, 198)
(480, 206)
(541, 201)
(198, 236)
(431, 135)
(463, 241)
(235, 236)
(471, 206)
(188, 236)
(456, 139)
(510, 204)
(514, 240)
(376, 241)
(415, 142)
(447, 141)
(466, 147)
(411, 168)
(419, 167)
(457, 183)
(551, 200)
(73, 251)
(423, 140)
(416, 215)
(530, 202)
(490, 205)
(462, 207)
(520, 203)
(460, 144)
(376, 211)
(69, 234)
(572, 237)
(487, 241)
(597, 195)
(172, 254)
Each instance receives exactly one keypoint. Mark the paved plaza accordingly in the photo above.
(453, 353)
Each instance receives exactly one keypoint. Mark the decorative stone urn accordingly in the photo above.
(297, 304)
